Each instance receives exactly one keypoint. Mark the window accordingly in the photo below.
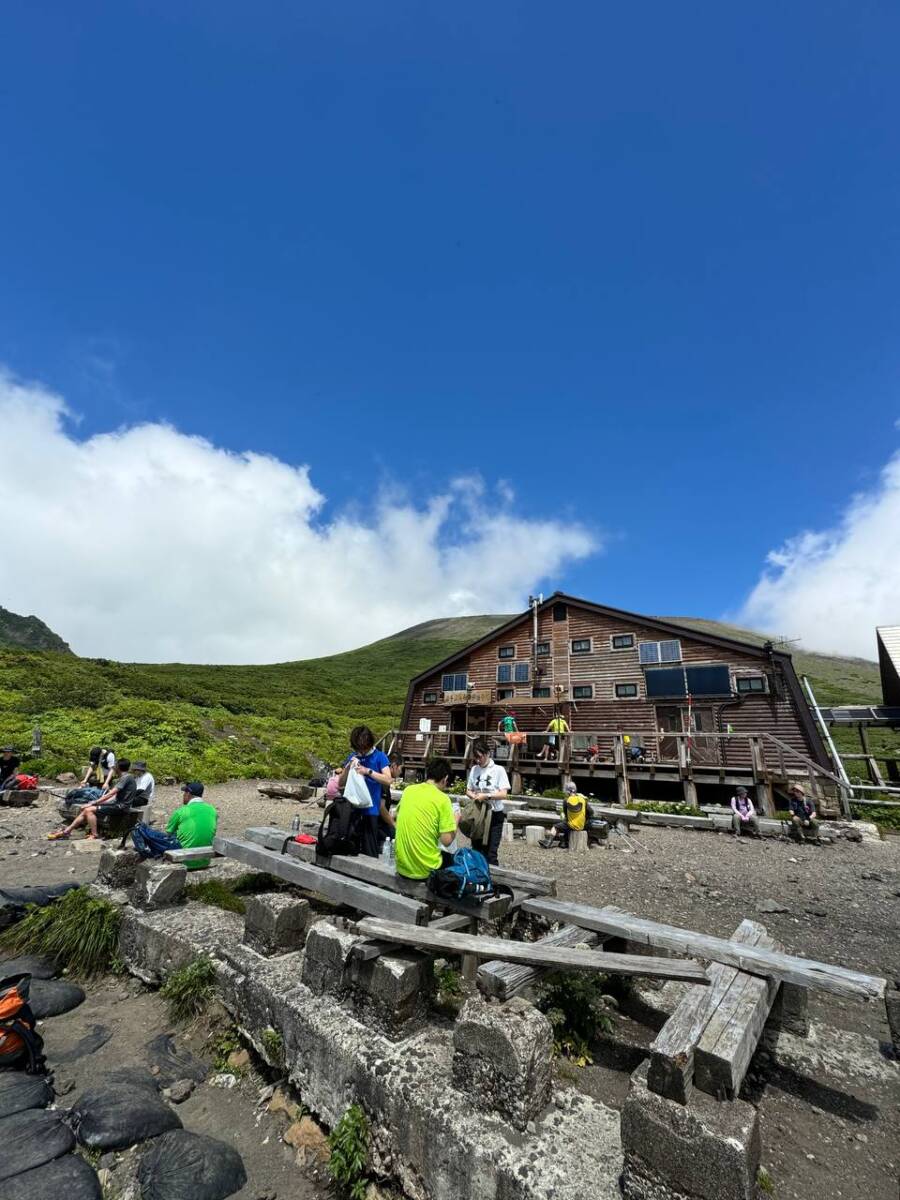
(506, 652)
(627, 691)
(659, 652)
(581, 646)
(665, 681)
(521, 672)
(560, 612)
(455, 683)
(583, 691)
(713, 679)
(505, 693)
(750, 683)
(541, 693)
(505, 673)
(622, 641)
(542, 649)
(429, 698)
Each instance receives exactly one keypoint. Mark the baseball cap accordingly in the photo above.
(196, 789)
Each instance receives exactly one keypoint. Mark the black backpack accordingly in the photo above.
(340, 831)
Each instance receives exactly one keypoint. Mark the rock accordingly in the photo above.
(276, 922)
(225, 1080)
(180, 1090)
(158, 885)
(282, 1103)
(771, 906)
(306, 1135)
(118, 868)
(62, 1087)
(66, 777)
(239, 1060)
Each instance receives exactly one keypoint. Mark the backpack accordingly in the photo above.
(153, 843)
(18, 1039)
(468, 877)
(22, 783)
(339, 832)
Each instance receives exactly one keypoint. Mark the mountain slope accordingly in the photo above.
(28, 633)
(216, 722)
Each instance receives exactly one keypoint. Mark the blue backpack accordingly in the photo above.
(468, 877)
(153, 843)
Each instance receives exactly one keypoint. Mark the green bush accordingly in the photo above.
(349, 1144)
(573, 1004)
(884, 818)
(79, 932)
(189, 990)
(273, 1044)
(662, 806)
(554, 794)
(216, 893)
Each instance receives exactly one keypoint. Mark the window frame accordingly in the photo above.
(659, 661)
(618, 649)
(455, 675)
(506, 678)
(579, 641)
(430, 697)
(629, 683)
(542, 649)
(540, 693)
(521, 671)
(512, 653)
(751, 691)
(505, 693)
(587, 688)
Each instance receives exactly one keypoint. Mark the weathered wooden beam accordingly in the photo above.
(287, 791)
(505, 979)
(674, 1054)
(180, 856)
(365, 951)
(804, 972)
(364, 896)
(557, 958)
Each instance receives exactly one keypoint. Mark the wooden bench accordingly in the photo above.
(710, 1037)
(183, 856)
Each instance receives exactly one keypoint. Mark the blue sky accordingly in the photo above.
(640, 262)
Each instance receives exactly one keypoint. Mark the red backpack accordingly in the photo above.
(19, 1041)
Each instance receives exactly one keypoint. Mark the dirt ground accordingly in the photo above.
(831, 1120)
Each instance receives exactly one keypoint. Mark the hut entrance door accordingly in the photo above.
(672, 719)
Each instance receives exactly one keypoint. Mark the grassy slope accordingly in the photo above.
(220, 722)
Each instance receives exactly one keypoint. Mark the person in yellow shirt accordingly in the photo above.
(425, 823)
(555, 731)
(575, 818)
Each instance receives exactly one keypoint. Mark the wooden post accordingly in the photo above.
(871, 763)
(578, 841)
(765, 798)
(624, 790)
(469, 961)
(688, 785)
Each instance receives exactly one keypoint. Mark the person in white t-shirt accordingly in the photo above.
(488, 784)
(145, 781)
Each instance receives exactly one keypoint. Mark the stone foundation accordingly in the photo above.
(707, 1150)
(158, 885)
(117, 868)
(276, 922)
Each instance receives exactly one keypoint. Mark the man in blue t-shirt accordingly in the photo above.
(374, 766)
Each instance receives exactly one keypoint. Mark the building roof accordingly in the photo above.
(889, 661)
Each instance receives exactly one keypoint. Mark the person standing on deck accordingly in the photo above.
(556, 730)
(507, 724)
(488, 784)
(374, 766)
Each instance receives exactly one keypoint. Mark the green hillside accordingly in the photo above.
(218, 722)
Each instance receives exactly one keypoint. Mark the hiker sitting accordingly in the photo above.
(117, 798)
(425, 823)
(195, 823)
(9, 766)
(146, 784)
(575, 818)
(804, 822)
(743, 814)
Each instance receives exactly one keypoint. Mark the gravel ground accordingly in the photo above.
(831, 1130)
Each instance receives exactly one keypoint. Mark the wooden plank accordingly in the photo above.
(364, 896)
(504, 979)
(180, 856)
(671, 1071)
(558, 958)
(732, 1033)
(368, 950)
(785, 967)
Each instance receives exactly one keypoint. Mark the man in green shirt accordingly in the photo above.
(194, 824)
(425, 822)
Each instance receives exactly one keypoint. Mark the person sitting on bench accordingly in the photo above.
(425, 822)
(743, 814)
(9, 766)
(804, 823)
(116, 799)
(195, 823)
(575, 818)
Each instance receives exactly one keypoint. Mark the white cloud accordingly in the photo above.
(832, 587)
(146, 544)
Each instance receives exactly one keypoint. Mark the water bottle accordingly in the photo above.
(387, 850)
(295, 824)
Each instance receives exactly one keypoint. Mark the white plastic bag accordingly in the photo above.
(356, 790)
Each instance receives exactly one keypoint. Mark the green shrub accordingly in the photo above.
(573, 1004)
(224, 1044)
(349, 1144)
(765, 1182)
(458, 787)
(554, 793)
(79, 932)
(884, 818)
(189, 990)
(662, 806)
(273, 1044)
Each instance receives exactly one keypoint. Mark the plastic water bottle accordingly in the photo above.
(295, 824)
(387, 850)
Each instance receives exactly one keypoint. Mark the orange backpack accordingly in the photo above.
(18, 1038)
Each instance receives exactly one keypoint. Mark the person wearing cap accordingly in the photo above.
(194, 824)
(743, 814)
(804, 822)
(575, 817)
(146, 784)
(120, 796)
(9, 766)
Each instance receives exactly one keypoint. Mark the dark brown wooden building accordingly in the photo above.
(643, 697)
